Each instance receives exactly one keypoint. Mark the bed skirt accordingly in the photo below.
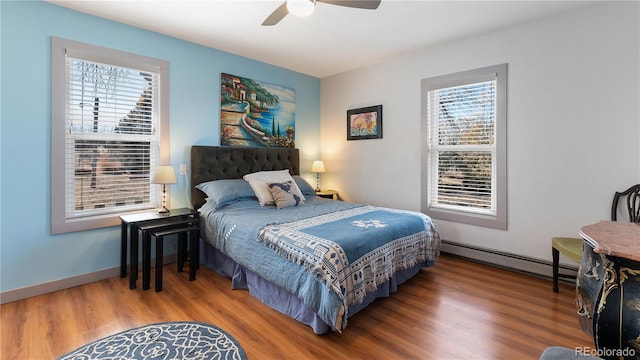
(283, 301)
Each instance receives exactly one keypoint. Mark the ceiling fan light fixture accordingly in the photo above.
(300, 7)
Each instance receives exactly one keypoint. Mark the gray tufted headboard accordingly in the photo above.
(222, 162)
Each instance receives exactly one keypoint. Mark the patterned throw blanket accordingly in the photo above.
(355, 250)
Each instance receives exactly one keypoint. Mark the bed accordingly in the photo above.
(295, 255)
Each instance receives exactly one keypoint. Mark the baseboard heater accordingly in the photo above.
(514, 262)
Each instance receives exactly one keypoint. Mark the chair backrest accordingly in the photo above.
(632, 205)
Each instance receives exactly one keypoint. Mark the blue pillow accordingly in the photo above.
(304, 186)
(223, 192)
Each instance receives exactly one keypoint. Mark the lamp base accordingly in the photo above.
(163, 210)
(318, 182)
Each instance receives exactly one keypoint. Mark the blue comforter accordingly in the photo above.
(235, 228)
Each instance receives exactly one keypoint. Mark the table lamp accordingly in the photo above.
(164, 175)
(317, 167)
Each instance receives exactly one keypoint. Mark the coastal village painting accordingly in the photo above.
(256, 114)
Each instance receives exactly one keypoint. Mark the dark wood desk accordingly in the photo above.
(608, 288)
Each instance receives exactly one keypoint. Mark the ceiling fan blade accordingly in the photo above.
(360, 4)
(277, 15)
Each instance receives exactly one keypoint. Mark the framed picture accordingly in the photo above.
(364, 123)
(256, 114)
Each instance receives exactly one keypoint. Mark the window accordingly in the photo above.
(109, 132)
(464, 147)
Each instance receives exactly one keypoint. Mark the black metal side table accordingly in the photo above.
(130, 229)
(183, 227)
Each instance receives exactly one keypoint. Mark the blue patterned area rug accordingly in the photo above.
(170, 340)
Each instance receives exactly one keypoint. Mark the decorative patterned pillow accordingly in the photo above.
(259, 181)
(285, 194)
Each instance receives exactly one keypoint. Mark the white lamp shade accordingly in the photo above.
(300, 7)
(164, 175)
(317, 167)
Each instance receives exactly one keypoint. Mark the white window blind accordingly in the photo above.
(464, 152)
(111, 138)
(462, 149)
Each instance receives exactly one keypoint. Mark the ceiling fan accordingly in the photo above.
(305, 7)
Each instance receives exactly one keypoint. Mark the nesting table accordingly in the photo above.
(184, 222)
(328, 194)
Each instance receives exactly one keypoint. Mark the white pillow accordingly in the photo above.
(259, 180)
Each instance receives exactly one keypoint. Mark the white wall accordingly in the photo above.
(573, 125)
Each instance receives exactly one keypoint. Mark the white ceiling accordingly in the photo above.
(333, 39)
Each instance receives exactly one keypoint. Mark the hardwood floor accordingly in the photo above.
(455, 310)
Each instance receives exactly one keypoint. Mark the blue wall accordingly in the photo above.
(29, 254)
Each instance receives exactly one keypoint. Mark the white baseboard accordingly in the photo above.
(56, 285)
(506, 260)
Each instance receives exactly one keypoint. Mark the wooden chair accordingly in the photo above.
(632, 204)
(572, 248)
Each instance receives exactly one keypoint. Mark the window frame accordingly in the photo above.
(499, 220)
(59, 46)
